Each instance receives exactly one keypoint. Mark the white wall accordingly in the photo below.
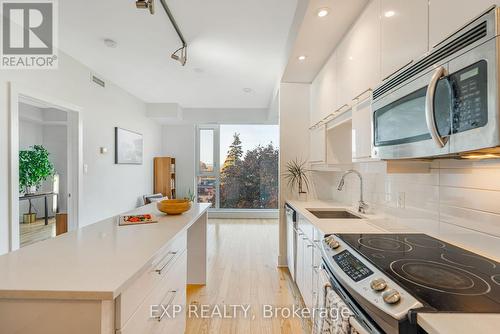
(179, 142)
(108, 189)
(294, 104)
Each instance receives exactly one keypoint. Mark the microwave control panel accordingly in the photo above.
(470, 105)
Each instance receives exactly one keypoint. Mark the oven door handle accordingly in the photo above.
(430, 113)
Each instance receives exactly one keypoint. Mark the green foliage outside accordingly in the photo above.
(250, 181)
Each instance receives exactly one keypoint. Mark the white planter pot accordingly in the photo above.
(31, 190)
(302, 197)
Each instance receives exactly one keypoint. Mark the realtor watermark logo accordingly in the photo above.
(29, 34)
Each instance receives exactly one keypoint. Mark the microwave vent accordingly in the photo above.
(455, 45)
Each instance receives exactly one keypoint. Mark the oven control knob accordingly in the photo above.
(391, 296)
(334, 244)
(378, 284)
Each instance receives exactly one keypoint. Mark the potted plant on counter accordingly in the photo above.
(296, 176)
(34, 168)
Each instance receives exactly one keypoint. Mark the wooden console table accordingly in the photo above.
(45, 195)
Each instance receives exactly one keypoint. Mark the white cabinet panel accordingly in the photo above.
(299, 269)
(323, 91)
(358, 56)
(446, 16)
(318, 145)
(404, 32)
(362, 130)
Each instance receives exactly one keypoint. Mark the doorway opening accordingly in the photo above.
(46, 150)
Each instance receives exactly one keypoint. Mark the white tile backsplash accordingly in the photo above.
(457, 199)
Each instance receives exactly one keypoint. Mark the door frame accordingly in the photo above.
(75, 156)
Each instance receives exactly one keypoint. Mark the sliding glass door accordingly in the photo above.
(238, 166)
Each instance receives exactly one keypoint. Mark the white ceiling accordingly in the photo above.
(233, 44)
(318, 37)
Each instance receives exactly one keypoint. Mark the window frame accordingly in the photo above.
(258, 213)
(216, 157)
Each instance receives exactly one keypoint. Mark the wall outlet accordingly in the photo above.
(85, 168)
(401, 200)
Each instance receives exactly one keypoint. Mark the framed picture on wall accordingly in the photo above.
(128, 147)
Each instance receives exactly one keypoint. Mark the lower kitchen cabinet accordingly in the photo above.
(308, 261)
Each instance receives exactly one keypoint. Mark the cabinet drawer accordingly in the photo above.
(130, 299)
(170, 291)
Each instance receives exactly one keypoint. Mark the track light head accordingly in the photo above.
(146, 4)
(182, 58)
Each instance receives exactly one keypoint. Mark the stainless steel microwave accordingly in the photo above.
(445, 104)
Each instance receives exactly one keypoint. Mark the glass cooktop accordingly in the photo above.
(442, 276)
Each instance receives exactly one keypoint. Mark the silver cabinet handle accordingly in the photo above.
(310, 246)
(171, 299)
(160, 270)
(430, 115)
(363, 93)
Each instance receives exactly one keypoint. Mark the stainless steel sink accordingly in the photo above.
(333, 214)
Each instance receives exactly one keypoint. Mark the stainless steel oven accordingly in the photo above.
(447, 102)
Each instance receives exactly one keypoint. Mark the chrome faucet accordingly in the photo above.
(363, 207)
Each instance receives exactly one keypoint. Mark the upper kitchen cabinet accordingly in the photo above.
(401, 22)
(362, 130)
(443, 23)
(358, 56)
(323, 91)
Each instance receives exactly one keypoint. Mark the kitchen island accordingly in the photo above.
(103, 278)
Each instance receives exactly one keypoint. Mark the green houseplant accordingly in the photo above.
(296, 176)
(34, 168)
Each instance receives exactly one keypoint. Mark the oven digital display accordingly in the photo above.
(469, 74)
(354, 268)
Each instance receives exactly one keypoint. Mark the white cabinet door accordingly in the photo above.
(362, 130)
(299, 269)
(323, 91)
(317, 148)
(358, 56)
(345, 67)
(366, 49)
(404, 32)
(307, 292)
(446, 16)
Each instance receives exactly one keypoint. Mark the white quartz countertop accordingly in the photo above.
(433, 323)
(368, 224)
(94, 262)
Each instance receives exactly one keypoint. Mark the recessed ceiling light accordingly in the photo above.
(301, 58)
(247, 90)
(110, 43)
(389, 13)
(322, 12)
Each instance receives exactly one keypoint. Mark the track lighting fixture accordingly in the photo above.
(146, 4)
(149, 4)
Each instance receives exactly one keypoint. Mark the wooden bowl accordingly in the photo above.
(174, 206)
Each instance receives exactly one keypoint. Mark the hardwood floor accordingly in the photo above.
(242, 269)
(38, 231)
